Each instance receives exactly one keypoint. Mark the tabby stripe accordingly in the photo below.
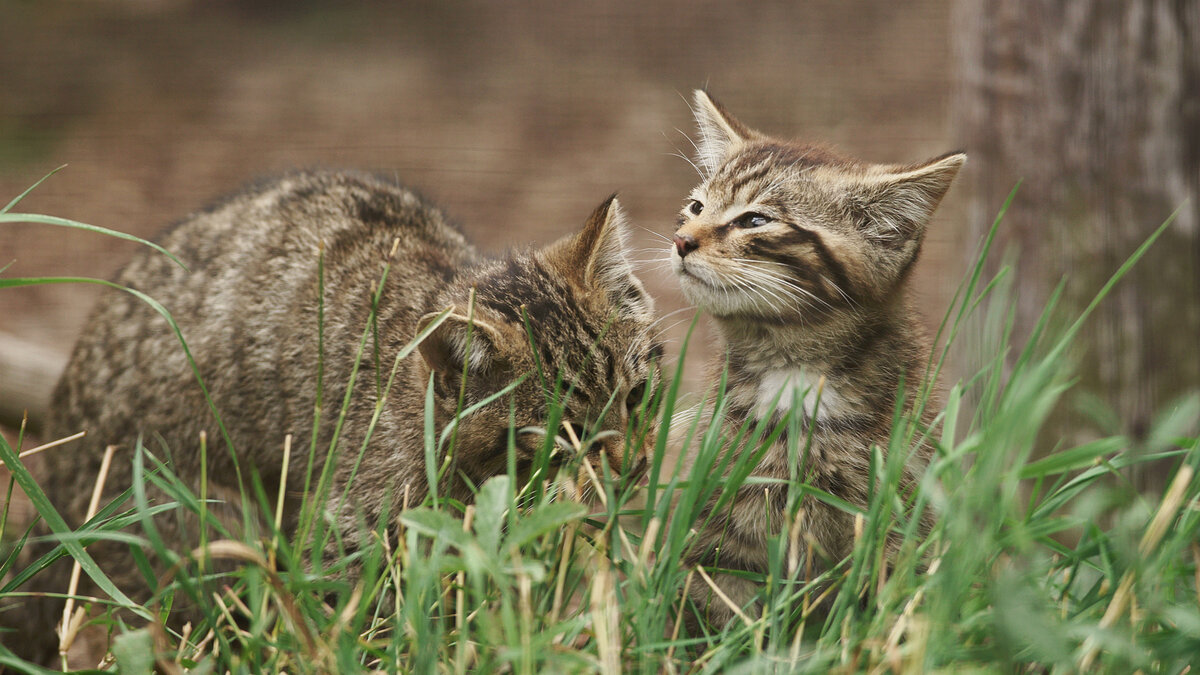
(610, 365)
(859, 350)
(745, 180)
(835, 266)
(656, 351)
(805, 272)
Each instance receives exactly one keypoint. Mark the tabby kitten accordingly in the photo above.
(248, 306)
(802, 256)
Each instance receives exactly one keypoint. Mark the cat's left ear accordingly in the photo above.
(599, 254)
(720, 132)
(897, 202)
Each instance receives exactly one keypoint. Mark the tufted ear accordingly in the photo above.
(597, 256)
(445, 349)
(896, 203)
(720, 133)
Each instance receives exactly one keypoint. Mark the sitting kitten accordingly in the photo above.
(801, 257)
(247, 305)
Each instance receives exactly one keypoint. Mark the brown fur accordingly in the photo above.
(801, 257)
(247, 306)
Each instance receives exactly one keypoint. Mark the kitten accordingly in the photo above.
(247, 305)
(801, 256)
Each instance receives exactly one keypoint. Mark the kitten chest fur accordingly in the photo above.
(783, 389)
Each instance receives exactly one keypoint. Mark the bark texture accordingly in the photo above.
(1095, 105)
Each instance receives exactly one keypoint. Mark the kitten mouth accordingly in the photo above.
(681, 269)
(690, 275)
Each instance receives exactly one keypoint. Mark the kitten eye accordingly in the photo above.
(751, 219)
(636, 397)
(695, 207)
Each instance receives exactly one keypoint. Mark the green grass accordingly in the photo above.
(1043, 558)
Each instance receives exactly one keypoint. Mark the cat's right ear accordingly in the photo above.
(720, 132)
(446, 348)
(599, 251)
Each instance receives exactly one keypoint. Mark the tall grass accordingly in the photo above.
(1043, 557)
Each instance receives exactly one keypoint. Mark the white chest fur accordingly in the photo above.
(781, 389)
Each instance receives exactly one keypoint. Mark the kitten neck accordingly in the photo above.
(817, 346)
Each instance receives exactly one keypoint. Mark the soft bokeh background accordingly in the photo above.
(517, 117)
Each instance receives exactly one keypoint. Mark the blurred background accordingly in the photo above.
(520, 117)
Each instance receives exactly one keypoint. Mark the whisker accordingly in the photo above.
(656, 259)
(670, 314)
(760, 292)
(685, 158)
(763, 262)
(775, 274)
(782, 284)
(659, 333)
(657, 234)
(854, 307)
(689, 139)
(655, 264)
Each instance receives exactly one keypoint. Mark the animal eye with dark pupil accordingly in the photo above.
(751, 220)
(695, 207)
(635, 398)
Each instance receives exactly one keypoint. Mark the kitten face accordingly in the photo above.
(590, 322)
(782, 231)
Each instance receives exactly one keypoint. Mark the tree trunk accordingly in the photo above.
(1095, 106)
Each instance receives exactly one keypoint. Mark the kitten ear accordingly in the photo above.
(598, 253)
(897, 202)
(445, 349)
(719, 132)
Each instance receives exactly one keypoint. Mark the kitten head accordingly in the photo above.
(588, 319)
(781, 231)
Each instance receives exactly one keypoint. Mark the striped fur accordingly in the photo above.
(248, 307)
(801, 257)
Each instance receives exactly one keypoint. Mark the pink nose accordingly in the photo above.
(685, 244)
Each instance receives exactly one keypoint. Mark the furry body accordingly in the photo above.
(248, 306)
(801, 256)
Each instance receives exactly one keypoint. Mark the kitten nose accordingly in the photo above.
(685, 244)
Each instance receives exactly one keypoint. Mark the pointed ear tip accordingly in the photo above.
(946, 165)
(703, 99)
(955, 158)
(611, 210)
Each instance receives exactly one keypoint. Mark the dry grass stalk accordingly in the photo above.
(724, 598)
(71, 621)
(227, 549)
(1153, 535)
(606, 619)
(460, 599)
(51, 444)
(561, 578)
(683, 597)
